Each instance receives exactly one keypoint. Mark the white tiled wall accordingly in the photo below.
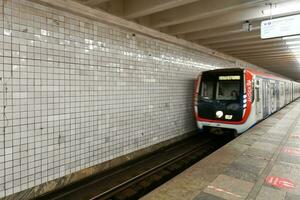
(75, 93)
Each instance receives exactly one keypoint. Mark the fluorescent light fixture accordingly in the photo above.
(291, 37)
(289, 7)
(295, 50)
(294, 47)
(292, 42)
(296, 53)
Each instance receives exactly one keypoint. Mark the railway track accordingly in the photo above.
(134, 180)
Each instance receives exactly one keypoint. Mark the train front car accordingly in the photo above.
(223, 100)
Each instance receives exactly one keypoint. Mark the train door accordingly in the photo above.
(277, 95)
(265, 97)
(286, 89)
(258, 99)
(282, 94)
(293, 90)
(272, 97)
(269, 97)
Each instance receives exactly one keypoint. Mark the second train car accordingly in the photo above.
(234, 99)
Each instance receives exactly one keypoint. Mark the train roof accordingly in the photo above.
(255, 72)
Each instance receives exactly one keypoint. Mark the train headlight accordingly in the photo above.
(219, 114)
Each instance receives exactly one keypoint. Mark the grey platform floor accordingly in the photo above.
(262, 164)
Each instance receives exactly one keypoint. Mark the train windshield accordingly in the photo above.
(221, 90)
(221, 87)
(228, 90)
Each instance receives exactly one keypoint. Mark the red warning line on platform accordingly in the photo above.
(291, 150)
(280, 182)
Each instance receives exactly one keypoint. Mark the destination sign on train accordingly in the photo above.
(225, 78)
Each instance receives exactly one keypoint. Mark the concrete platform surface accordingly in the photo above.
(263, 163)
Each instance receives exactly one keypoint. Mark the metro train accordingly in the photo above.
(234, 99)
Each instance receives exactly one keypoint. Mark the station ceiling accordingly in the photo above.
(218, 24)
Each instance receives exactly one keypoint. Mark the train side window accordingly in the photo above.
(257, 87)
(257, 94)
(207, 89)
